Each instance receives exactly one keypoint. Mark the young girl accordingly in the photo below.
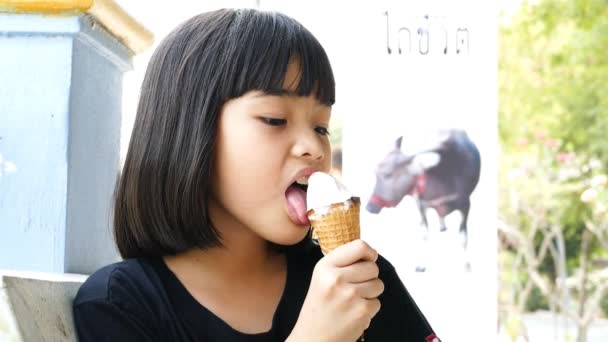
(234, 112)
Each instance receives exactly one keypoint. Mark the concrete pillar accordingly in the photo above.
(60, 117)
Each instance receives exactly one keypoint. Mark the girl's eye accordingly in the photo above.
(322, 130)
(274, 121)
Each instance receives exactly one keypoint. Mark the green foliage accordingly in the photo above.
(553, 69)
(604, 306)
(553, 120)
(536, 301)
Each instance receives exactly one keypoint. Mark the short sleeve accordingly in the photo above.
(399, 318)
(104, 321)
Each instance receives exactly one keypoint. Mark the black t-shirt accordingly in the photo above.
(142, 300)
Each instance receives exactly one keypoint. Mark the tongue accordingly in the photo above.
(296, 205)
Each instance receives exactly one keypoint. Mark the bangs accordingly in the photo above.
(261, 45)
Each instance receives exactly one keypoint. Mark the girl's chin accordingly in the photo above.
(295, 236)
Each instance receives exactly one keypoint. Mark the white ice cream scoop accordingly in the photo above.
(325, 190)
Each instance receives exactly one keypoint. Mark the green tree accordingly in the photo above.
(553, 72)
(553, 92)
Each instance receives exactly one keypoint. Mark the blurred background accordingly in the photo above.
(552, 223)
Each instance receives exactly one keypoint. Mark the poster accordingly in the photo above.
(412, 69)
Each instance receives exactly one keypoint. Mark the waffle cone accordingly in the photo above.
(336, 225)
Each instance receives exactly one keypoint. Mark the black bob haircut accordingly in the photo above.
(161, 196)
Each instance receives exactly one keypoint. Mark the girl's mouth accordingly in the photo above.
(303, 186)
(296, 203)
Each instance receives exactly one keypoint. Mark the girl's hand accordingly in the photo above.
(343, 296)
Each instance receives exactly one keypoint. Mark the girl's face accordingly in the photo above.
(264, 144)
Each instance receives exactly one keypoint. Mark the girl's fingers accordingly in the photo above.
(370, 289)
(350, 253)
(359, 272)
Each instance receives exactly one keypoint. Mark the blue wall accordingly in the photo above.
(60, 101)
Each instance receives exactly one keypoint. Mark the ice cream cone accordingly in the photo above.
(336, 224)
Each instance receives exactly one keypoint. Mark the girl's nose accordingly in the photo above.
(309, 145)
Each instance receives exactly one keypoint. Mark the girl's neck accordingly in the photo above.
(244, 255)
(233, 281)
(233, 261)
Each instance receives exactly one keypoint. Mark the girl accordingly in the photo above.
(209, 215)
